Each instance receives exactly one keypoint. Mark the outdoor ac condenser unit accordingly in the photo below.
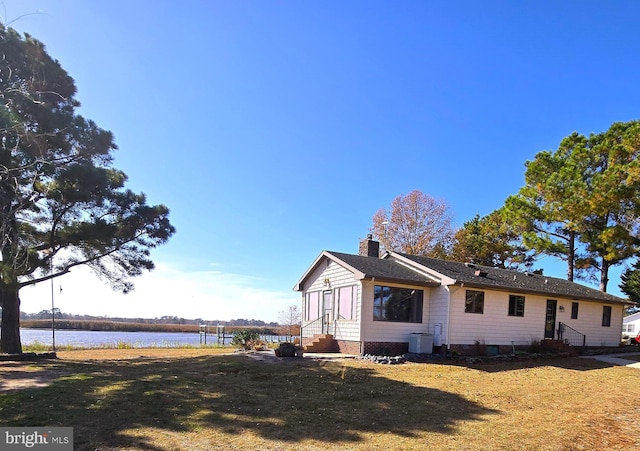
(421, 343)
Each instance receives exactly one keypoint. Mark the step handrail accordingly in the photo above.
(315, 327)
(570, 336)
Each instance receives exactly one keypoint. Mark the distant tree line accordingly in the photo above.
(171, 320)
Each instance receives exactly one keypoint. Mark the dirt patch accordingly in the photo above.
(20, 376)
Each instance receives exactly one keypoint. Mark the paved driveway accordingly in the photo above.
(616, 359)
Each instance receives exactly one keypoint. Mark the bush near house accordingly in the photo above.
(247, 339)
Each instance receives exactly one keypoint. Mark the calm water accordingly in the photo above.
(86, 338)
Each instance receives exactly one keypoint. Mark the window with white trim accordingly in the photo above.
(397, 304)
(606, 316)
(312, 306)
(516, 305)
(346, 302)
(474, 301)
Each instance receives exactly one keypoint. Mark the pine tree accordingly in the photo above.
(62, 204)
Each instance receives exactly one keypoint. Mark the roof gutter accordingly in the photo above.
(540, 293)
(417, 283)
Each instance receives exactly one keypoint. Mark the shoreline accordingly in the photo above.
(122, 326)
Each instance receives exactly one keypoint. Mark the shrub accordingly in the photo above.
(245, 338)
(480, 347)
(534, 346)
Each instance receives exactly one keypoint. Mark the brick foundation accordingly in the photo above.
(349, 347)
(385, 348)
(486, 350)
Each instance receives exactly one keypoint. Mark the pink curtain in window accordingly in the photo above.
(313, 306)
(346, 302)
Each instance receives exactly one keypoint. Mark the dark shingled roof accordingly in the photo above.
(390, 269)
(506, 279)
(382, 269)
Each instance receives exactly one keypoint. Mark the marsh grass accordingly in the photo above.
(37, 346)
(200, 399)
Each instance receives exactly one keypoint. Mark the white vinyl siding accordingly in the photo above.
(437, 308)
(589, 322)
(329, 275)
(496, 327)
(631, 325)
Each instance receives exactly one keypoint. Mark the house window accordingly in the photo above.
(312, 306)
(474, 302)
(574, 310)
(627, 328)
(346, 302)
(606, 316)
(516, 305)
(397, 304)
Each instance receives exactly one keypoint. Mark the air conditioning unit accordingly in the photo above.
(421, 343)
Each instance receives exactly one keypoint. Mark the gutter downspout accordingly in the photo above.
(363, 287)
(451, 292)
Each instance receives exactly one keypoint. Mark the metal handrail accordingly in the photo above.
(571, 336)
(315, 327)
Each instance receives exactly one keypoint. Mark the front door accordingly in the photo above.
(326, 311)
(550, 322)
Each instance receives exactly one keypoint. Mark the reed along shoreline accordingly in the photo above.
(122, 326)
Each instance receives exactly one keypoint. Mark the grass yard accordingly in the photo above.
(194, 399)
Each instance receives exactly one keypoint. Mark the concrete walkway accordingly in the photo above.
(615, 359)
(328, 355)
(269, 355)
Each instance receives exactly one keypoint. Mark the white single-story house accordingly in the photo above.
(391, 303)
(631, 325)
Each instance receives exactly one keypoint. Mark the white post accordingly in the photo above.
(53, 314)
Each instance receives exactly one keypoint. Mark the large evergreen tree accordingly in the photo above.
(62, 204)
(579, 202)
(543, 208)
(630, 282)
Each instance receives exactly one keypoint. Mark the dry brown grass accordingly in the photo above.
(165, 399)
(84, 355)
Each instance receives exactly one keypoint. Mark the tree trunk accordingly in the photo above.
(604, 275)
(10, 324)
(571, 247)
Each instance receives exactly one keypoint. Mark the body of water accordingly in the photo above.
(94, 339)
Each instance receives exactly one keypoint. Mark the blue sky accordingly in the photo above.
(276, 129)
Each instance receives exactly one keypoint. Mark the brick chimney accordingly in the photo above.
(369, 247)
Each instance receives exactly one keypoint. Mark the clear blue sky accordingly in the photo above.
(276, 129)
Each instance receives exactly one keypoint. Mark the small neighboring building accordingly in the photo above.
(631, 325)
(372, 304)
